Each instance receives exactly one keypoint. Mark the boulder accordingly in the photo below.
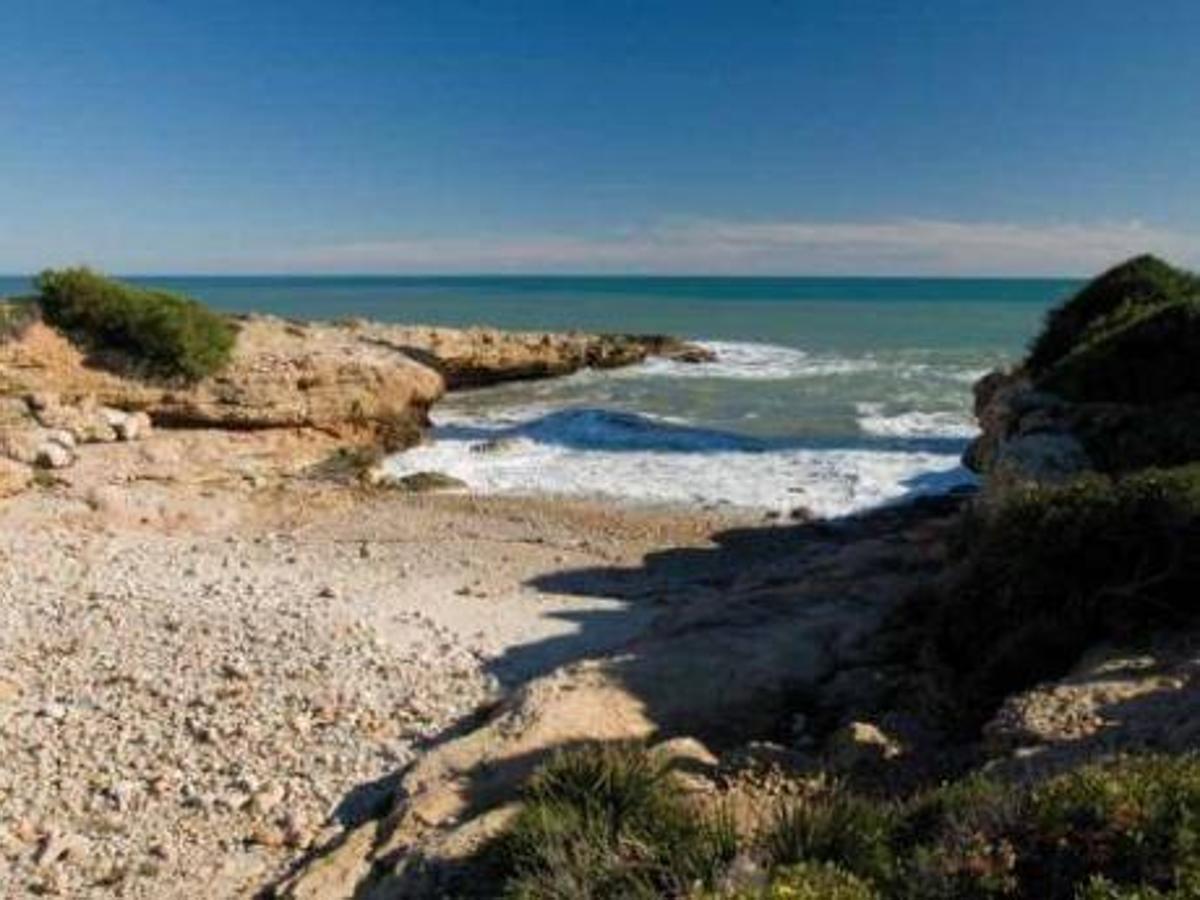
(53, 455)
(133, 426)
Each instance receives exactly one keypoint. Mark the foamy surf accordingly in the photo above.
(757, 361)
(914, 423)
(634, 458)
(752, 361)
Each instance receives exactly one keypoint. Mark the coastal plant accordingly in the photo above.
(956, 841)
(610, 821)
(162, 333)
(835, 826)
(1048, 571)
(1117, 295)
(1149, 357)
(1135, 823)
(1128, 829)
(1131, 437)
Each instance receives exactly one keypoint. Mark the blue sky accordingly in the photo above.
(608, 136)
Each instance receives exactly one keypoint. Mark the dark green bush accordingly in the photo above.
(957, 842)
(610, 821)
(1155, 356)
(1128, 437)
(165, 333)
(1136, 823)
(1121, 293)
(1052, 570)
(1100, 888)
(1126, 830)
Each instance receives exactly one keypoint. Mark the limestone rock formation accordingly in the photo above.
(358, 382)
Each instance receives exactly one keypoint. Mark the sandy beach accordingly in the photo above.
(199, 681)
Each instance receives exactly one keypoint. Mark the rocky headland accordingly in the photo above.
(355, 384)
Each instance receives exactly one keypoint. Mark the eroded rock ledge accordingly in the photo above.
(358, 382)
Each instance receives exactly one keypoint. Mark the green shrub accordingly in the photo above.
(1119, 294)
(956, 842)
(607, 823)
(1126, 438)
(610, 821)
(165, 333)
(1052, 570)
(1100, 888)
(1136, 823)
(1148, 359)
(1128, 829)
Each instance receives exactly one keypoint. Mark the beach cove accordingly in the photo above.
(265, 633)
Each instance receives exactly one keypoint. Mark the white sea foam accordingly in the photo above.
(753, 361)
(744, 360)
(588, 452)
(914, 423)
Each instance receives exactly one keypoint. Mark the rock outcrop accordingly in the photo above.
(477, 357)
(1115, 700)
(281, 376)
(359, 382)
(1026, 434)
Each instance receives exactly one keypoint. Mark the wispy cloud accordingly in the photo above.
(901, 246)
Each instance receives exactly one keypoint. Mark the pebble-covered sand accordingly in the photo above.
(183, 710)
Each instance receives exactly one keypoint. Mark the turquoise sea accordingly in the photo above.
(830, 393)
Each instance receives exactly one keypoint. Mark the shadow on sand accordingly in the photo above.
(733, 628)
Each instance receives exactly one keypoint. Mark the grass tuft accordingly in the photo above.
(611, 821)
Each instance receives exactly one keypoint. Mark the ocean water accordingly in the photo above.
(832, 394)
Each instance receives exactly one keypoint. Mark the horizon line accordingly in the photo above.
(568, 275)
